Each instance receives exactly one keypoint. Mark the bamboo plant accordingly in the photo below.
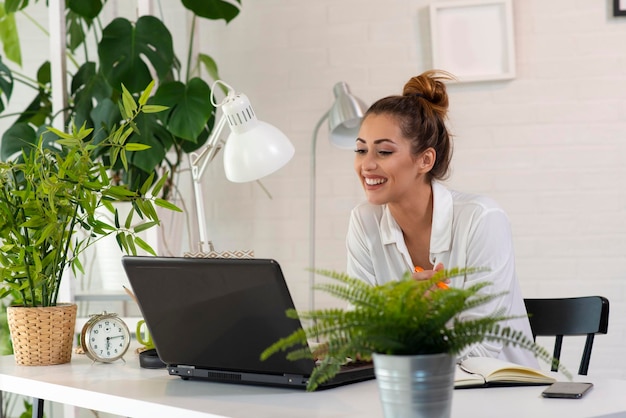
(49, 195)
(405, 317)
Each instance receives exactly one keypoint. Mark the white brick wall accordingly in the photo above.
(548, 145)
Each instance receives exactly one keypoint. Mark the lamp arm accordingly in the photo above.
(198, 163)
(312, 205)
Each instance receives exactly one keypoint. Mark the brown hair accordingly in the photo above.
(421, 111)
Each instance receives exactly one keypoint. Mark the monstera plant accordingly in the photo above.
(129, 53)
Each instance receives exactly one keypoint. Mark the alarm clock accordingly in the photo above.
(105, 337)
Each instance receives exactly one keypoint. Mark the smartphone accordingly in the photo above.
(568, 390)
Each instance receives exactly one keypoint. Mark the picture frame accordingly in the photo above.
(473, 39)
(619, 7)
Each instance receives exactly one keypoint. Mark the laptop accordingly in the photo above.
(211, 318)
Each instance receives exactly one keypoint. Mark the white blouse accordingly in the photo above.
(467, 231)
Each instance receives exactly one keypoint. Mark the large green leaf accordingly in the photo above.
(87, 88)
(124, 48)
(104, 116)
(210, 66)
(9, 36)
(39, 110)
(89, 9)
(189, 105)
(6, 83)
(44, 77)
(213, 9)
(154, 135)
(79, 16)
(75, 33)
(13, 6)
(189, 146)
(143, 163)
(14, 139)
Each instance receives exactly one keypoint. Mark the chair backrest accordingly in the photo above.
(588, 315)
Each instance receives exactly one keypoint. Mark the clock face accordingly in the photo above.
(106, 338)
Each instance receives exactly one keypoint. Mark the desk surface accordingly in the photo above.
(126, 389)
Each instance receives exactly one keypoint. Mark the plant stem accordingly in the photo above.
(8, 115)
(34, 22)
(62, 263)
(31, 284)
(27, 81)
(25, 240)
(190, 51)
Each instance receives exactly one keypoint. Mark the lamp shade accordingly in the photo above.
(254, 149)
(344, 117)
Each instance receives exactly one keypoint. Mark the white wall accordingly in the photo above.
(548, 145)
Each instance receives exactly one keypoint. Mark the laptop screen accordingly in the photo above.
(215, 313)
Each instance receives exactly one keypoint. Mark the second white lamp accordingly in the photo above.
(344, 121)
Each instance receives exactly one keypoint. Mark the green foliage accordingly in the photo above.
(6, 83)
(213, 9)
(8, 36)
(405, 317)
(28, 409)
(6, 347)
(129, 53)
(49, 196)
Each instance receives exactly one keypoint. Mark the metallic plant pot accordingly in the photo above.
(419, 386)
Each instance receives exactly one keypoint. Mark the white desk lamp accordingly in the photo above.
(253, 150)
(344, 121)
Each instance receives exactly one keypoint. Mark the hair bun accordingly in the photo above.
(430, 86)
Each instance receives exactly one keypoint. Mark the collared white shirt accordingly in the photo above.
(467, 231)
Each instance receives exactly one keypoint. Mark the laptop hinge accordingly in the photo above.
(182, 370)
(295, 378)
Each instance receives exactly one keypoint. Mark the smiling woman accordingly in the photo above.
(410, 219)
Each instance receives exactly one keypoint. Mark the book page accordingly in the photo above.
(463, 378)
(496, 370)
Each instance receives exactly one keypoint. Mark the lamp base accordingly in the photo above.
(218, 254)
(222, 254)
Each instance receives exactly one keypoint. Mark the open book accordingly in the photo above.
(486, 372)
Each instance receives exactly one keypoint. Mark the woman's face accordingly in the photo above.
(384, 163)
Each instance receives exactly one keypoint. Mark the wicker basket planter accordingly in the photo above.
(42, 336)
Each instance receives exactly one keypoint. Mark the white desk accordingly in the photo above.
(126, 389)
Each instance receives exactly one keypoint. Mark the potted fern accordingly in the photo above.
(48, 199)
(403, 326)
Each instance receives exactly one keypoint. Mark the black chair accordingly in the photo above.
(587, 315)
